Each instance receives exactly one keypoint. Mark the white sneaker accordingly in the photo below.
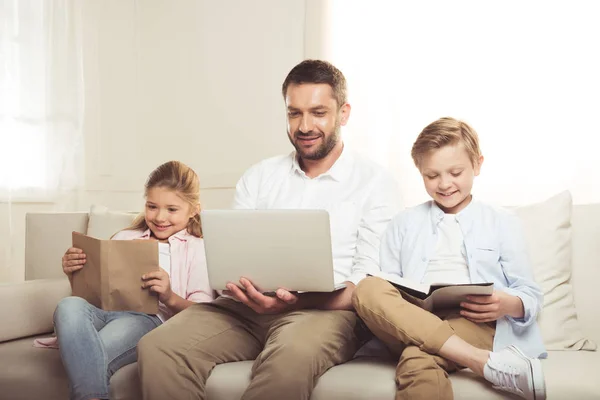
(512, 371)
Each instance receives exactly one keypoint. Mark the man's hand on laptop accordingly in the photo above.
(282, 301)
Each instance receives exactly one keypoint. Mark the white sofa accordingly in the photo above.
(30, 373)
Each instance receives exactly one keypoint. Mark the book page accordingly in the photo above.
(404, 283)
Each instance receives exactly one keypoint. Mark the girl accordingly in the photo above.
(95, 343)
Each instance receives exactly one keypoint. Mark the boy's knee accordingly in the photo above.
(367, 290)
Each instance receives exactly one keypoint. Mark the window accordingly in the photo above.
(523, 74)
(40, 96)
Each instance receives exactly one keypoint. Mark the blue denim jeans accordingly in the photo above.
(94, 343)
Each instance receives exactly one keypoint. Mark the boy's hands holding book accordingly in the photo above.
(481, 309)
(159, 282)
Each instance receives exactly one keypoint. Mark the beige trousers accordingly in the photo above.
(290, 350)
(416, 335)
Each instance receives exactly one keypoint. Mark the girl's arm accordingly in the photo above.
(160, 283)
(176, 303)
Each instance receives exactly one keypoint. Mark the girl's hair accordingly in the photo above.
(181, 179)
(446, 132)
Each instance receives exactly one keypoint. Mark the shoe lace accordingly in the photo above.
(505, 378)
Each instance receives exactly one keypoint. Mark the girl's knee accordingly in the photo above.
(70, 307)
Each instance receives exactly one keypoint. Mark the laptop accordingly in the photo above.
(272, 248)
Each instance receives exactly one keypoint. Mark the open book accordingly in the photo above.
(111, 278)
(436, 296)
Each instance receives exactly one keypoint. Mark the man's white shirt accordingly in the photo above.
(360, 196)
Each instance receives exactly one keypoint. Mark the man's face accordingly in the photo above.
(314, 119)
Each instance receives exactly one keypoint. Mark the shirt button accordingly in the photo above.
(424, 259)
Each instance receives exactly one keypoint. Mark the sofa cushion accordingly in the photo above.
(38, 373)
(547, 228)
(125, 384)
(373, 379)
(103, 223)
(35, 299)
(31, 373)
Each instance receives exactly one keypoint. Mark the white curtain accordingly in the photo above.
(41, 108)
(524, 74)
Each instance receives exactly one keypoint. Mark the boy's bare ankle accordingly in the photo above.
(479, 359)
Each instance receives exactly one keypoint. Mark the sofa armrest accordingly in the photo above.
(27, 308)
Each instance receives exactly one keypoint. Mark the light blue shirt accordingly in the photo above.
(495, 250)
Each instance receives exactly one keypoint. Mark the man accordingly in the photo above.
(293, 338)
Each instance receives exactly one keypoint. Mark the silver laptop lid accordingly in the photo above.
(272, 248)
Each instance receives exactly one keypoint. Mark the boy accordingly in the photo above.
(454, 239)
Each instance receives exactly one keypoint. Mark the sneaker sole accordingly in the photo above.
(537, 374)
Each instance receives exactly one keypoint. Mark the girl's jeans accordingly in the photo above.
(95, 343)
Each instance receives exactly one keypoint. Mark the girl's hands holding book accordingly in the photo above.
(481, 309)
(159, 282)
(73, 260)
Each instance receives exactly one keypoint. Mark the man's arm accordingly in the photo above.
(379, 210)
(381, 207)
(246, 190)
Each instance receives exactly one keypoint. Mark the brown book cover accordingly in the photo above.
(111, 278)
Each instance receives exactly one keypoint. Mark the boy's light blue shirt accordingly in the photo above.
(496, 252)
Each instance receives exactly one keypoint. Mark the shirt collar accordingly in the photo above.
(338, 171)
(464, 217)
(182, 235)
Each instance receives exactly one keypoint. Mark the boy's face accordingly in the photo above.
(448, 175)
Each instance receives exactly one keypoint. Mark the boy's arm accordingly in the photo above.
(516, 266)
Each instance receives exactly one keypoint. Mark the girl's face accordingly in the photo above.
(166, 213)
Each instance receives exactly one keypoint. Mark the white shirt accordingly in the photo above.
(164, 257)
(164, 261)
(360, 196)
(449, 261)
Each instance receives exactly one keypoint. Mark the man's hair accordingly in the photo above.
(318, 71)
(446, 132)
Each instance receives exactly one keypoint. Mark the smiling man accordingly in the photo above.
(293, 338)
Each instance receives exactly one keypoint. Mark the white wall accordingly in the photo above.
(197, 81)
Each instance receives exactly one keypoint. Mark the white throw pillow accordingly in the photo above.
(547, 228)
(103, 224)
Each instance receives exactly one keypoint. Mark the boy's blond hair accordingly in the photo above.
(446, 132)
